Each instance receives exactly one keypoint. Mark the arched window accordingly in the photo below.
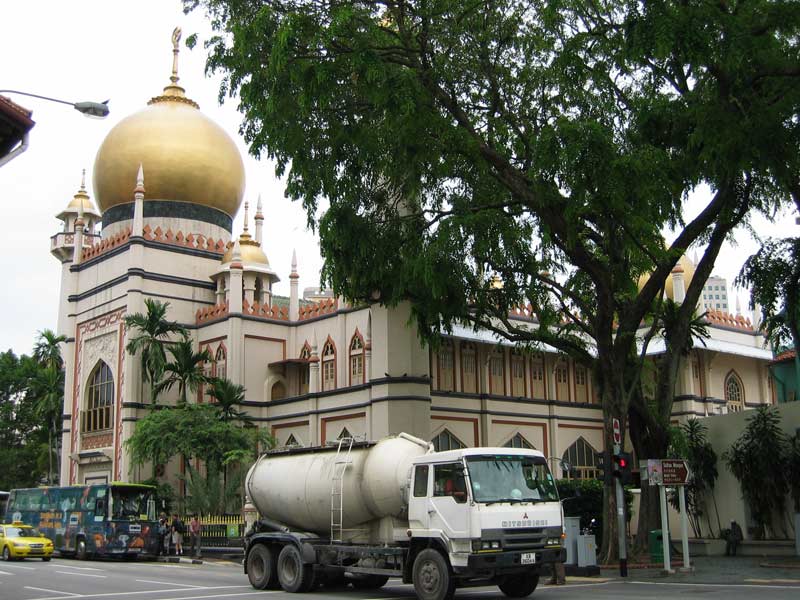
(447, 441)
(357, 359)
(734, 393)
(99, 400)
(221, 363)
(469, 368)
(258, 292)
(582, 459)
(328, 366)
(446, 374)
(278, 391)
(519, 442)
(305, 354)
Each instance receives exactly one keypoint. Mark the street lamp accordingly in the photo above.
(98, 110)
(14, 140)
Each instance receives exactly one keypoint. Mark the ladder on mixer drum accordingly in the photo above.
(342, 461)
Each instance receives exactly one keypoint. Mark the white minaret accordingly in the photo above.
(259, 221)
(77, 256)
(235, 294)
(678, 284)
(294, 298)
(138, 206)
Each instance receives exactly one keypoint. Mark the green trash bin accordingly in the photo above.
(655, 544)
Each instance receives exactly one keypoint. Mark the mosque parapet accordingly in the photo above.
(323, 307)
(211, 313)
(107, 244)
(281, 313)
(728, 320)
(196, 242)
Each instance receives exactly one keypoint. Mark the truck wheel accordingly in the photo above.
(519, 586)
(262, 568)
(370, 582)
(432, 577)
(293, 575)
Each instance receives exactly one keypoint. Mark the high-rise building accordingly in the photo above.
(715, 294)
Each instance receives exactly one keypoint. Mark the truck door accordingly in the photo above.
(448, 506)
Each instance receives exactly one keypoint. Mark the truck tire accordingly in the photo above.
(262, 567)
(293, 575)
(370, 582)
(432, 577)
(519, 586)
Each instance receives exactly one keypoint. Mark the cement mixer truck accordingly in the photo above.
(361, 512)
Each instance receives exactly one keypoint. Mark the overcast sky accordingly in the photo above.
(121, 50)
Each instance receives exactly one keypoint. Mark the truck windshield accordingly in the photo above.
(511, 478)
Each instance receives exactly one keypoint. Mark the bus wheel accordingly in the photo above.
(46, 559)
(80, 552)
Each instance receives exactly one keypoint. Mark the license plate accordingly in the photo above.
(527, 558)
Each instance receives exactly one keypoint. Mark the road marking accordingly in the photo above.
(120, 594)
(30, 587)
(80, 568)
(551, 588)
(19, 567)
(169, 583)
(719, 585)
(81, 574)
(5, 573)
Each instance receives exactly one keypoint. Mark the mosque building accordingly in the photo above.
(167, 184)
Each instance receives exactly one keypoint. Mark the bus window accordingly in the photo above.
(129, 502)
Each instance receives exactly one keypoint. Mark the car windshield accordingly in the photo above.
(131, 503)
(21, 532)
(511, 478)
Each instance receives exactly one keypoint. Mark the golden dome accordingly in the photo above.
(80, 202)
(186, 156)
(684, 263)
(251, 251)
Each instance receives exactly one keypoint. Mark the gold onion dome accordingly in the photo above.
(253, 257)
(685, 265)
(80, 202)
(187, 157)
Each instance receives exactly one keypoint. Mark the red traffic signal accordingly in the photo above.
(622, 466)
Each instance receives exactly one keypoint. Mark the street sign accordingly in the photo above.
(617, 431)
(674, 472)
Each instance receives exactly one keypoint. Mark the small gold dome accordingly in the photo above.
(684, 263)
(80, 201)
(251, 251)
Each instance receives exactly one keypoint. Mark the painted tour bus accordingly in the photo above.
(109, 519)
(3, 502)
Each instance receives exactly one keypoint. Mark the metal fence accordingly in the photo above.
(219, 531)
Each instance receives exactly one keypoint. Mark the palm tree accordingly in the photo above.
(228, 395)
(48, 390)
(152, 330)
(185, 369)
(47, 351)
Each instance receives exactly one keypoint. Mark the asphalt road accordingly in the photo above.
(64, 578)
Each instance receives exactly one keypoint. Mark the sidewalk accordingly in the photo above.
(742, 570)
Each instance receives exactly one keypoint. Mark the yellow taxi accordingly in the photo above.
(18, 541)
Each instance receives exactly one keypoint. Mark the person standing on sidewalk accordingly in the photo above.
(195, 529)
(177, 534)
(163, 535)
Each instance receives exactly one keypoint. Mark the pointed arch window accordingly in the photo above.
(221, 363)
(582, 458)
(446, 373)
(734, 393)
(447, 441)
(305, 372)
(328, 366)
(99, 400)
(518, 441)
(357, 359)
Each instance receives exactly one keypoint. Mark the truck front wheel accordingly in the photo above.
(432, 577)
(519, 586)
(261, 567)
(293, 575)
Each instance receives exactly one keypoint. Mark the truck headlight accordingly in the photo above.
(554, 541)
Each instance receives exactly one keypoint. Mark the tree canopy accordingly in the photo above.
(474, 157)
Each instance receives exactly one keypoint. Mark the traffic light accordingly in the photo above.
(622, 466)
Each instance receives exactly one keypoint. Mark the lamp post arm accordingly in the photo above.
(37, 96)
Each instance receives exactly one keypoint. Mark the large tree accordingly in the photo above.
(186, 369)
(548, 143)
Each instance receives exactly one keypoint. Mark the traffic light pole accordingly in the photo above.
(623, 551)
